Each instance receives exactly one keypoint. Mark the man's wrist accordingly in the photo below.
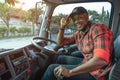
(62, 28)
(70, 73)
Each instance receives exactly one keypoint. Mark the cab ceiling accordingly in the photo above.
(72, 1)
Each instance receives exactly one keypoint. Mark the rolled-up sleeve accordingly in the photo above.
(103, 41)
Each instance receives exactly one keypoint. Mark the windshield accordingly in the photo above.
(18, 24)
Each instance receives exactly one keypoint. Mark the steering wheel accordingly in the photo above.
(45, 41)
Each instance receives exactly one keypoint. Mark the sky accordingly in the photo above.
(27, 4)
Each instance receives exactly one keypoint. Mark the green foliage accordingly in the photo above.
(56, 19)
(24, 30)
(102, 18)
(4, 12)
(54, 30)
(8, 12)
(31, 15)
(3, 30)
(13, 29)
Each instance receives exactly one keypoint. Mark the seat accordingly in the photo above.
(115, 72)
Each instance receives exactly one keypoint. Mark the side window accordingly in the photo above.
(99, 12)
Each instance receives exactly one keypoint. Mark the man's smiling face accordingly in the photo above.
(80, 20)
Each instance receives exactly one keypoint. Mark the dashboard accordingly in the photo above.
(14, 65)
(26, 63)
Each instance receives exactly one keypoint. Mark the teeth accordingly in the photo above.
(78, 25)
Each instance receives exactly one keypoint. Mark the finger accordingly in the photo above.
(68, 19)
(62, 20)
(59, 71)
(61, 77)
(56, 70)
(61, 74)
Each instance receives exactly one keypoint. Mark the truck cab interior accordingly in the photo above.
(30, 61)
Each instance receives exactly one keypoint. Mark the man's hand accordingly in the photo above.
(58, 72)
(64, 22)
(61, 72)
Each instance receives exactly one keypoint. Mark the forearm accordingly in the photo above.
(64, 22)
(60, 36)
(93, 64)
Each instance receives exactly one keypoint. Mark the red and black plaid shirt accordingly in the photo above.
(96, 40)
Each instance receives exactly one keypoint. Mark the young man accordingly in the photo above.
(95, 41)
